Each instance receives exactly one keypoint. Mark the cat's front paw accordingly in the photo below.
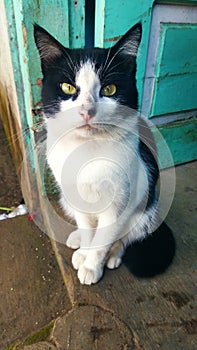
(115, 257)
(74, 240)
(89, 276)
(78, 258)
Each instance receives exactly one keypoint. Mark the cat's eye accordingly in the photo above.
(68, 88)
(109, 90)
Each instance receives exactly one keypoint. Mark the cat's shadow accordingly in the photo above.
(153, 255)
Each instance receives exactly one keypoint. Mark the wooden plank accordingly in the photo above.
(99, 23)
(21, 76)
(177, 52)
(21, 114)
(181, 138)
(175, 83)
(76, 23)
(184, 2)
(12, 100)
(174, 94)
(11, 126)
(9, 112)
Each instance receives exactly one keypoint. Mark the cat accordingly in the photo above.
(106, 173)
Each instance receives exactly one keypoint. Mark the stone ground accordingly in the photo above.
(122, 311)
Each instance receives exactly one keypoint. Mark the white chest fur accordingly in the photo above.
(95, 172)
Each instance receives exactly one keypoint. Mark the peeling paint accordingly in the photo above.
(24, 36)
(115, 38)
(39, 82)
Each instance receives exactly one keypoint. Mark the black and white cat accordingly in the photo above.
(106, 173)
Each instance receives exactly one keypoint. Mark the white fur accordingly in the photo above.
(101, 177)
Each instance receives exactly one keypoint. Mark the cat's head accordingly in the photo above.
(87, 86)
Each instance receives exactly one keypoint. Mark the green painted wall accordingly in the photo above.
(114, 18)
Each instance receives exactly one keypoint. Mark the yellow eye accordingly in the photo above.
(68, 89)
(109, 90)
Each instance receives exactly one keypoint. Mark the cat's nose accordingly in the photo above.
(87, 115)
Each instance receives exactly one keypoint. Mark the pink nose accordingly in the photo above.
(87, 115)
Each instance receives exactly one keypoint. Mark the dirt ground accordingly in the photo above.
(32, 292)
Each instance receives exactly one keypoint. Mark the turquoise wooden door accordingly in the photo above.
(167, 66)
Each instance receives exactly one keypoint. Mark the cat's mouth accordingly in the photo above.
(87, 127)
(90, 129)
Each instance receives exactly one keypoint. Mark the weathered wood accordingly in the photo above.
(14, 124)
(174, 94)
(11, 126)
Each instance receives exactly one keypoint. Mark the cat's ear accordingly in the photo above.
(129, 42)
(49, 48)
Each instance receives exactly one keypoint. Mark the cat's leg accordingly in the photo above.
(74, 239)
(84, 234)
(92, 268)
(115, 255)
(137, 231)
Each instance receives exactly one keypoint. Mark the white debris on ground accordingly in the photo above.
(19, 210)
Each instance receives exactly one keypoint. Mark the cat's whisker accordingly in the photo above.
(108, 54)
(71, 64)
(18, 135)
(109, 74)
(112, 59)
(48, 107)
(114, 68)
(23, 133)
(62, 69)
(116, 133)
